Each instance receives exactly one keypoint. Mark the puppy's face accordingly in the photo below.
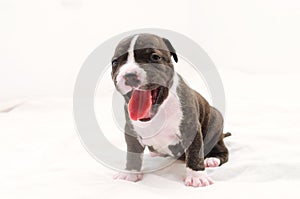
(142, 72)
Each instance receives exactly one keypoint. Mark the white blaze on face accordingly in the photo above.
(130, 67)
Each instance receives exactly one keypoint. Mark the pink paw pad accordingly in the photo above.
(212, 162)
(133, 177)
(197, 179)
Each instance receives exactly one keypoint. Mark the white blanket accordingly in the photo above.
(44, 43)
(42, 157)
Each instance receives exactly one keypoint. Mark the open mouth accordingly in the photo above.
(143, 104)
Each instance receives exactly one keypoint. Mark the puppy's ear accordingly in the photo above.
(171, 49)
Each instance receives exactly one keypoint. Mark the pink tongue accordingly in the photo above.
(139, 104)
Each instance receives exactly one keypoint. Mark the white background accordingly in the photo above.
(254, 44)
(44, 43)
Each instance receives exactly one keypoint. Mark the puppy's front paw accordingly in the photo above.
(133, 177)
(197, 178)
(212, 162)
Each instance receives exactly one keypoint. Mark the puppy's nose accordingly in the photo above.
(131, 79)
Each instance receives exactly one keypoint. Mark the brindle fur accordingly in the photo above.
(202, 125)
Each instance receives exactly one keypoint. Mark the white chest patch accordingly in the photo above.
(163, 129)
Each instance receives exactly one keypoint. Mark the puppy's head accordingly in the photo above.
(142, 71)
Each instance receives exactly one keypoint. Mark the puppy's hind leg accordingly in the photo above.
(218, 155)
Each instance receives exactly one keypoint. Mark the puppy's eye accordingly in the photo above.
(155, 57)
(115, 63)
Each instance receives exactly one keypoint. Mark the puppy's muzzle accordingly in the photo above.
(131, 79)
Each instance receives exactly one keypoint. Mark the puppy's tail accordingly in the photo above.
(226, 134)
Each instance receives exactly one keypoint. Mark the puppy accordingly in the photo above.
(163, 113)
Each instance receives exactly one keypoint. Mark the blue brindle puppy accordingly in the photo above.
(163, 113)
